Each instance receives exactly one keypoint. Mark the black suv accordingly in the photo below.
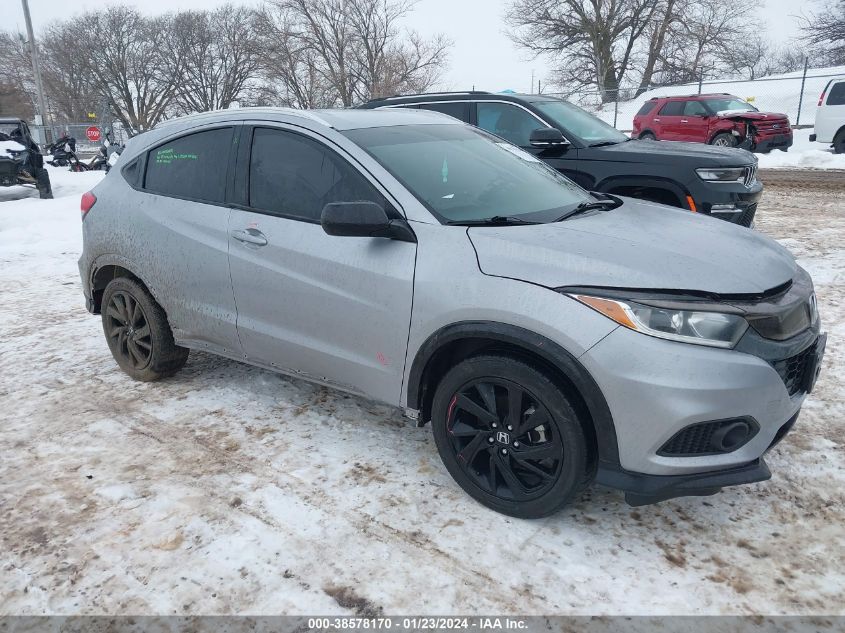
(21, 163)
(712, 180)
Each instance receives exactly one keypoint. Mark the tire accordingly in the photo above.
(137, 332)
(42, 183)
(488, 455)
(724, 140)
(647, 136)
(839, 143)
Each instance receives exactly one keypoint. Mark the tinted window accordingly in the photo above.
(579, 123)
(672, 108)
(132, 172)
(192, 166)
(837, 94)
(457, 110)
(507, 121)
(294, 176)
(648, 106)
(461, 173)
(694, 108)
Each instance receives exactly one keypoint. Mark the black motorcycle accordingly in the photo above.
(63, 151)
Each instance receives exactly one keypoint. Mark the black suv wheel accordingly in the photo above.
(137, 332)
(509, 436)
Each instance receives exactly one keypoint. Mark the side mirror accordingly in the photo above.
(547, 137)
(363, 219)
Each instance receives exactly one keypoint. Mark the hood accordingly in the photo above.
(752, 116)
(638, 245)
(675, 152)
(6, 147)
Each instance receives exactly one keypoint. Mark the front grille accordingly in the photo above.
(747, 217)
(697, 439)
(792, 370)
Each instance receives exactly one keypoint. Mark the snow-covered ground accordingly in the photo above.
(802, 155)
(229, 489)
(776, 93)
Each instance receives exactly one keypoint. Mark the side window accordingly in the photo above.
(837, 94)
(694, 108)
(648, 106)
(507, 121)
(457, 110)
(192, 166)
(292, 175)
(132, 172)
(672, 108)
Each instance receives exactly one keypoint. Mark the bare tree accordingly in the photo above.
(221, 57)
(69, 85)
(134, 60)
(824, 32)
(592, 41)
(16, 71)
(343, 51)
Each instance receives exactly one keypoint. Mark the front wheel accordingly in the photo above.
(839, 143)
(724, 140)
(138, 333)
(509, 436)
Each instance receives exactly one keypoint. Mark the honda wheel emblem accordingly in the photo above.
(503, 438)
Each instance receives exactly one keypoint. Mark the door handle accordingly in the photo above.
(684, 121)
(250, 236)
(657, 120)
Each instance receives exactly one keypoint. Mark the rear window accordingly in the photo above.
(837, 94)
(192, 166)
(648, 106)
(672, 108)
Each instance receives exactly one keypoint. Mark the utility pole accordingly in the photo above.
(36, 71)
(532, 81)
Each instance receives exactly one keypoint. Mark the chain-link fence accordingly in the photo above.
(46, 134)
(794, 94)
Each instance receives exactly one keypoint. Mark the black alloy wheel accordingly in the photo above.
(510, 437)
(127, 327)
(502, 436)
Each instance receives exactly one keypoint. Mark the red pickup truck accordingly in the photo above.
(717, 119)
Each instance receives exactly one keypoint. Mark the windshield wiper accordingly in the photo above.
(605, 143)
(606, 203)
(496, 220)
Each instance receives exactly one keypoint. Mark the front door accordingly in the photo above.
(334, 309)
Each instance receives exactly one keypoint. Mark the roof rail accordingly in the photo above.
(432, 94)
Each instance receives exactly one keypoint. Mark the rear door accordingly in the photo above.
(831, 116)
(181, 243)
(668, 121)
(694, 123)
(335, 309)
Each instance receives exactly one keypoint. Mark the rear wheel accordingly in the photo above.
(839, 143)
(647, 136)
(137, 332)
(724, 140)
(509, 436)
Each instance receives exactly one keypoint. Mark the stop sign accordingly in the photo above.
(93, 133)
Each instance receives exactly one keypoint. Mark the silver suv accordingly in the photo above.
(553, 337)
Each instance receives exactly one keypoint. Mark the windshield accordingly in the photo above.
(723, 105)
(8, 128)
(579, 123)
(462, 174)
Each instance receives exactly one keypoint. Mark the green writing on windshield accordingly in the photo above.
(168, 156)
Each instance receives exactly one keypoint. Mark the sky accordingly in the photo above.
(482, 56)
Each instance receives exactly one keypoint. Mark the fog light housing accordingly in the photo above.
(724, 208)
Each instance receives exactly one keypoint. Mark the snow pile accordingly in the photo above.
(803, 154)
(776, 93)
(10, 146)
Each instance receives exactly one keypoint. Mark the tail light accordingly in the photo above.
(88, 200)
(821, 96)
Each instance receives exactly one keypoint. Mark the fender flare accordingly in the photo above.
(550, 352)
(654, 182)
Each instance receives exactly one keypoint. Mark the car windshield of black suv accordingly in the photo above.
(462, 174)
(579, 123)
(729, 105)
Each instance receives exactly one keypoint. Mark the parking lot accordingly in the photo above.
(229, 489)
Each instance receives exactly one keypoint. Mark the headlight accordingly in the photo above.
(688, 326)
(729, 174)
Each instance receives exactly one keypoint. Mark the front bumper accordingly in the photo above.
(656, 388)
(733, 202)
(769, 142)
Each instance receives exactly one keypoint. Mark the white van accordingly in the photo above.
(830, 116)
